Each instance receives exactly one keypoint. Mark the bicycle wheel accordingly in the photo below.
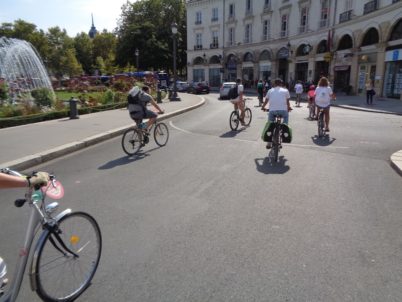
(320, 124)
(234, 120)
(275, 144)
(59, 275)
(131, 141)
(312, 109)
(247, 116)
(161, 134)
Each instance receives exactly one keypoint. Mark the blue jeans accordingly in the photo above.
(284, 113)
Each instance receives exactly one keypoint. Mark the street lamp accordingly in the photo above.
(174, 96)
(137, 53)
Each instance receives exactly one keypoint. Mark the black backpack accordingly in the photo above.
(134, 99)
(233, 92)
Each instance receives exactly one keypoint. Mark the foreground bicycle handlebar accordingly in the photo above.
(66, 252)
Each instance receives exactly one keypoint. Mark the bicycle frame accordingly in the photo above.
(36, 219)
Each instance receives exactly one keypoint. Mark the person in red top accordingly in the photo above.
(311, 96)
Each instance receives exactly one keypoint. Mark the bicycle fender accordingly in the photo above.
(39, 243)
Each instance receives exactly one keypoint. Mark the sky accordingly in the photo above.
(72, 15)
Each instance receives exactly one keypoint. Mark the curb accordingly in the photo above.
(47, 155)
(364, 109)
(396, 162)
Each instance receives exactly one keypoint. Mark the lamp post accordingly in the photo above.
(137, 53)
(174, 96)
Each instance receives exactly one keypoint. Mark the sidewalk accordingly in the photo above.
(25, 146)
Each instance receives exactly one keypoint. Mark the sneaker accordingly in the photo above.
(269, 145)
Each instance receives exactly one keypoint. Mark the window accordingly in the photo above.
(198, 18)
(266, 30)
(248, 34)
(231, 36)
(231, 10)
(324, 13)
(303, 19)
(215, 14)
(215, 43)
(348, 5)
(284, 26)
(267, 3)
(248, 6)
(198, 41)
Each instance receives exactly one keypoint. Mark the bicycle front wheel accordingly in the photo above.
(161, 134)
(234, 121)
(247, 116)
(131, 141)
(276, 144)
(59, 275)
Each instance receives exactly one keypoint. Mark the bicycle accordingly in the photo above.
(66, 253)
(311, 114)
(136, 137)
(276, 138)
(320, 122)
(234, 118)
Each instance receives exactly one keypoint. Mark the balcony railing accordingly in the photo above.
(370, 7)
(283, 33)
(265, 37)
(231, 18)
(198, 22)
(323, 23)
(197, 47)
(346, 16)
(230, 43)
(267, 7)
(213, 45)
(214, 19)
(302, 29)
(247, 40)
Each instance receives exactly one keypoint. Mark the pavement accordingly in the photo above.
(23, 147)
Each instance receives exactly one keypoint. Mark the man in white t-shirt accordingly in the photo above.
(299, 91)
(278, 99)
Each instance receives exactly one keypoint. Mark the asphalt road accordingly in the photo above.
(208, 218)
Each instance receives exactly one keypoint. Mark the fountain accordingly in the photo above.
(21, 68)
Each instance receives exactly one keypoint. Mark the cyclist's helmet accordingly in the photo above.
(312, 87)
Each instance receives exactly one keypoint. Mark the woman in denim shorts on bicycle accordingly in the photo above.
(323, 96)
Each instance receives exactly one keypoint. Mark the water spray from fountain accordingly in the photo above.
(21, 68)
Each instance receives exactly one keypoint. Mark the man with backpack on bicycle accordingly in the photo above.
(236, 96)
(278, 98)
(138, 100)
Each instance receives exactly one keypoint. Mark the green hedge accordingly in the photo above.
(40, 117)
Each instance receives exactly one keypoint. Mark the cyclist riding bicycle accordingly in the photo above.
(137, 107)
(11, 181)
(323, 96)
(278, 99)
(236, 96)
(311, 96)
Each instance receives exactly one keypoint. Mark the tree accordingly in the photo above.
(104, 46)
(146, 25)
(84, 50)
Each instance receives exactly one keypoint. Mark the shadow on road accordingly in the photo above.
(264, 165)
(322, 141)
(231, 133)
(124, 160)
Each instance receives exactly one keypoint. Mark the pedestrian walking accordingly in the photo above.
(370, 92)
(260, 92)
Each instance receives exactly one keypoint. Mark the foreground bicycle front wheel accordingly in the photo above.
(60, 275)
(234, 120)
(276, 144)
(247, 116)
(131, 141)
(161, 134)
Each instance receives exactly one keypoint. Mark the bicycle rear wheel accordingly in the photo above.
(247, 116)
(161, 134)
(234, 120)
(275, 144)
(59, 275)
(320, 124)
(131, 141)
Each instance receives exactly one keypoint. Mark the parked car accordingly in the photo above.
(180, 85)
(198, 87)
(224, 90)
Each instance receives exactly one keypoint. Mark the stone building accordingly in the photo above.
(349, 41)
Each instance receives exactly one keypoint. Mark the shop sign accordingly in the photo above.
(341, 68)
(283, 53)
(393, 55)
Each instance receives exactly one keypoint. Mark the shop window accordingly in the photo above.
(345, 43)
(322, 47)
(265, 56)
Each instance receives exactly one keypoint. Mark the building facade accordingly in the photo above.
(349, 41)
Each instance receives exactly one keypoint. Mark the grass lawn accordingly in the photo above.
(65, 96)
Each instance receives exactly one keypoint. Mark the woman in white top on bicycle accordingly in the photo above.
(323, 96)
